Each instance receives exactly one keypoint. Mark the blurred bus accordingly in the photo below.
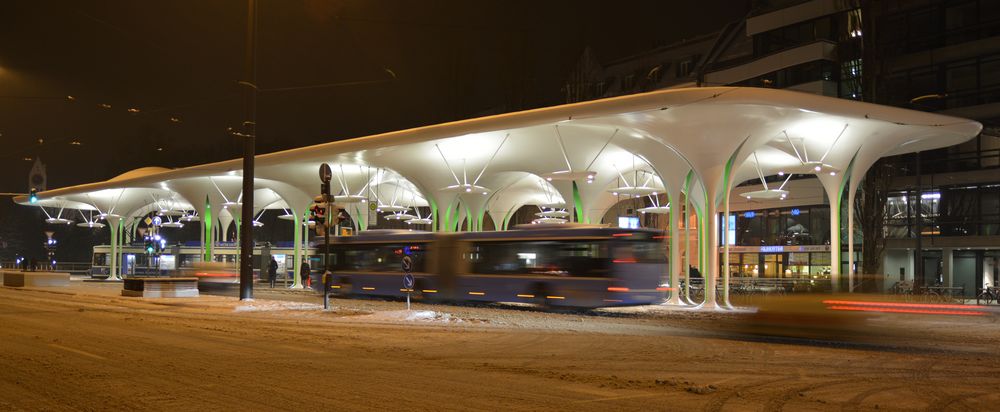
(552, 265)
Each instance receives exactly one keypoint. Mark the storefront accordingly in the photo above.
(789, 262)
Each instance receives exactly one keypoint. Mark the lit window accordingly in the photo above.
(854, 23)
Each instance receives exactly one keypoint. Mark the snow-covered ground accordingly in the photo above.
(86, 348)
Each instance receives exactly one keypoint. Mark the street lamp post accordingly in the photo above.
(249, 126)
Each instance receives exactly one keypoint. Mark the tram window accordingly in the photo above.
(580, 259)
(100, 259)
(378, 258)
(188, 260)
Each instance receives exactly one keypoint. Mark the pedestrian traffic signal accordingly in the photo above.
(33, 196)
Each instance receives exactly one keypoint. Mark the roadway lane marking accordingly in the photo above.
(78, 352)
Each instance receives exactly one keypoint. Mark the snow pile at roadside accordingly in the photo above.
(275, 305)
(412, 316)
(664, 308)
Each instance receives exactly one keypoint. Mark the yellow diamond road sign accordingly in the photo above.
(148, 221)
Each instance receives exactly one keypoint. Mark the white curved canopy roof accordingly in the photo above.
(504, 158)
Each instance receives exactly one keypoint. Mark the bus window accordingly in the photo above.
(378, 258)
(550, 258)
(640, 251)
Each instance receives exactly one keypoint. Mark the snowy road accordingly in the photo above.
(84, 348)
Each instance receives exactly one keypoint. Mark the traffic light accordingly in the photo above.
(317, 213)
(149, 245)
(33, 196)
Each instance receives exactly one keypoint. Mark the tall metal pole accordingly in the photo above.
(250, 126)
(326, 250)
(324, 176)
(919, 281)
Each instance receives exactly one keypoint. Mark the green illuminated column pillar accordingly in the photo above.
(709, 227)
(121, 242)
(578, 205)
(674, 246)
(687, 239)
(207, 225)
(834, 187)
(300, 223)
(114, 222)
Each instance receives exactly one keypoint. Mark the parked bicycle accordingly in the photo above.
(988, 295)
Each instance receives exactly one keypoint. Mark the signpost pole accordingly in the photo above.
(408, 281)
(326, 249)
(325, 174)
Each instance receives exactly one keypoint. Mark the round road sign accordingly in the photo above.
(408, 281)
(325, 173)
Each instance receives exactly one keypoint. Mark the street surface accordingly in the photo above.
(85, 348)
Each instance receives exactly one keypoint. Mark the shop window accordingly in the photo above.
(796, 228)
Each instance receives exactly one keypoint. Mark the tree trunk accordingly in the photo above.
(871, 214)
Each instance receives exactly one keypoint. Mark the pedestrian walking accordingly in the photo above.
(272, 271)
(304, 271)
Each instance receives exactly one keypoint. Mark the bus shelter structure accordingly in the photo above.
(576, 161)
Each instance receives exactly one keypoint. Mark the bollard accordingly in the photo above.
(326, 289)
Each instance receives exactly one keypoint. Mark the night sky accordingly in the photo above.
(451, 60)
(417, 62)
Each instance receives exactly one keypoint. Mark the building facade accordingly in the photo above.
(942, 222)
